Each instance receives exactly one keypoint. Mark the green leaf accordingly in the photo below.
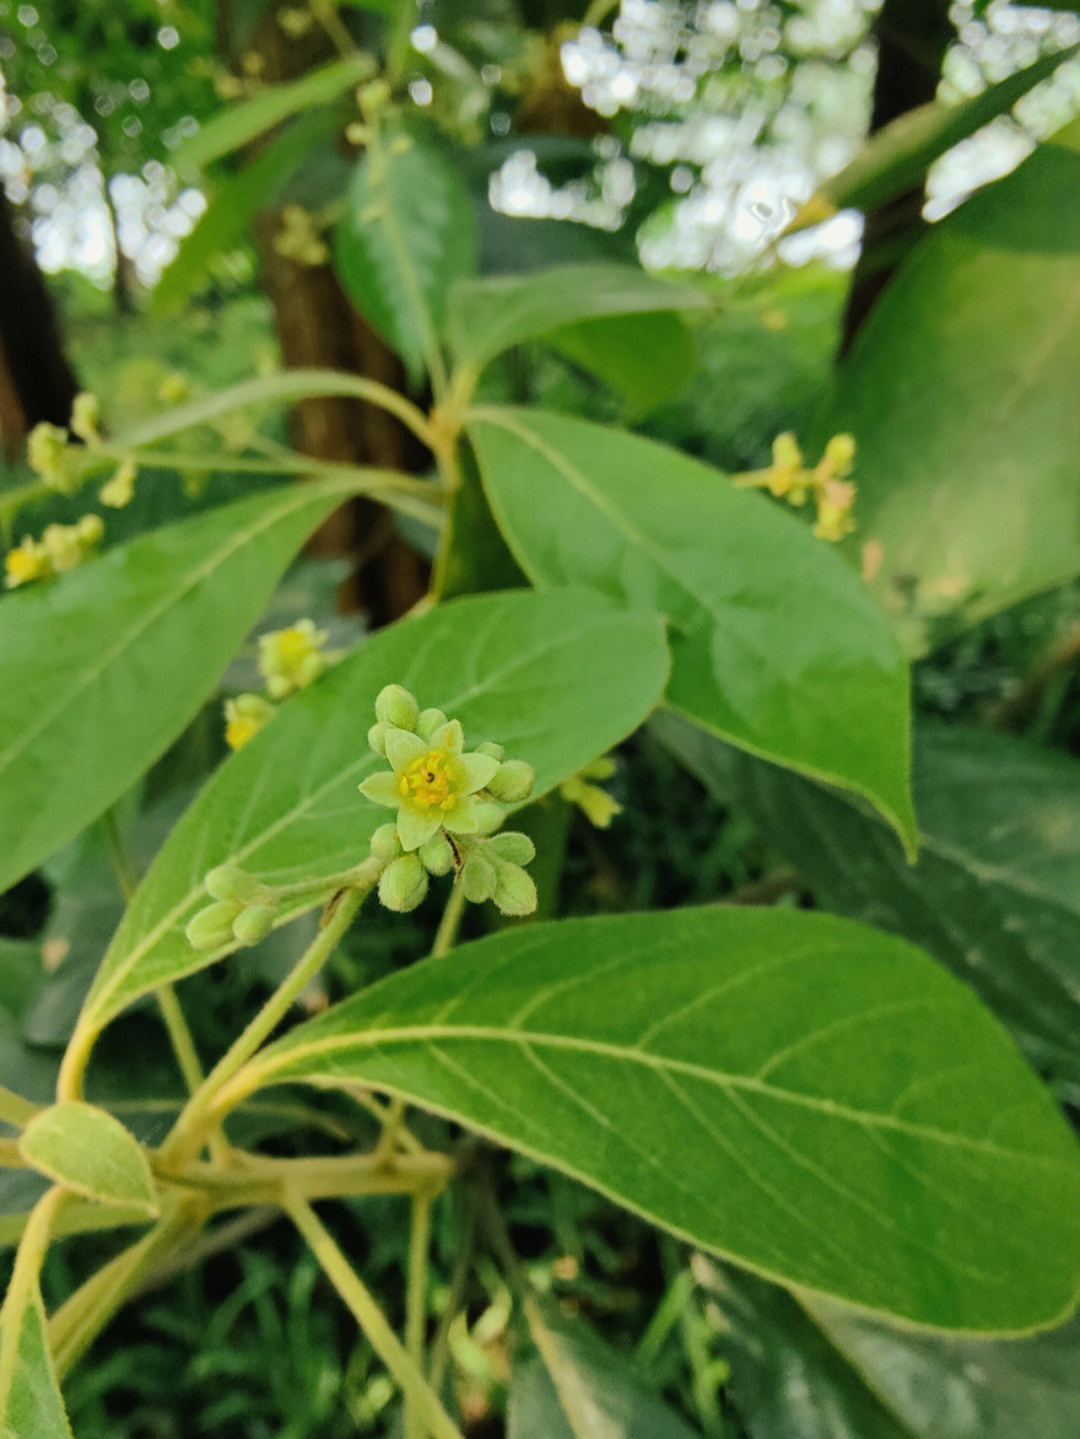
(817, 1371)
(897, 157)
(225, 222)
(967, 476)
(996, 892)
(87, 1150)
(648, 359)
(406, 234)
(576, 1387)
(236, 125)
(775, 644)
(33, 1407)
(105, 665)
(811, 1098)
(545, 675)
(492, 315)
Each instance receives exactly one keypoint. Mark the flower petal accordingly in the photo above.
(451, 738)
(463, 818)
(477, 770)
(416, 827)
(402, 748)
(382, 788)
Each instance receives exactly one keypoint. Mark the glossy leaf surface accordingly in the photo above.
(544, 674)
(775, 644)
(105, 665)
(810, 1097)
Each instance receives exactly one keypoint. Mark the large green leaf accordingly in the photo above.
(492, 315)
(406, 234)
(236, 125)
(897, 157)
(647, 358)
(544, 675)
(960, 391)
(105, 665)
(32, 1407)
(814, 1099)
(775, 644)
(996, 892)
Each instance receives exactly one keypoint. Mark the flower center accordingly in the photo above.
(430, 780)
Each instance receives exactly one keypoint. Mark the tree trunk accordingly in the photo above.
(36, 381)
(912, 39)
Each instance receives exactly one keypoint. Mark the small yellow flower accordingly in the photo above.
(835, 499)
(245, 716)
(86, 417)
(173, 389)
(595, 803)
(293, 658)
(119, 491)
(431, 783)
(48, 455)
(26, 562)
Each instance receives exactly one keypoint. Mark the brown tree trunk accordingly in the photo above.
(912, 38)
(36, 381)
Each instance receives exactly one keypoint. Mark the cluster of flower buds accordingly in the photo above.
(242, 912)
(49, 454)
(300, 237)
(60, 548)
(789, 479)
(449, 804)
(289, 659)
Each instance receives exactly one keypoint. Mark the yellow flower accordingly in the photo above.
(118, 492)
(86, 417)
(245, 716)
(595, 803)
(431, 783)
(835, 499)
(173, 388)
(292, 658)
(48, 455)
(26, 562)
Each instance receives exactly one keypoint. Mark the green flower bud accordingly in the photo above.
(403, 883)
(385, 843)
(436, 855)
(254, 923)
(428, 722)
(488, 816)
(513, 847)
(478, 878)
(395, 705)
(514, 781)
(229, 881)
(376, 737)
(515, 892)
(212, 927)
(494, 751)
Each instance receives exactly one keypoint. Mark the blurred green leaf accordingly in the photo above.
(88, 1150)
(805, 1095)
(32, 1407)
(775, 644)
(647, 359)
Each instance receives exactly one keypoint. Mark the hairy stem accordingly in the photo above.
(416, 1303)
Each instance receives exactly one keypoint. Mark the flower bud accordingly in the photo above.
(512, 782)
(254, 923)
(212, 927)
(385, 843)
(436, 855)
(119, 491)
(488, 816)
(492, 750)
(478, 878)
(394, 705)
(86, 417)
(229, 881)
(403, 883)
(513, 847)
(428, 722)
(376, 737)
(515, 892)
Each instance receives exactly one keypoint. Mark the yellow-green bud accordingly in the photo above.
(478, 878)
(512, 782)
(492, 750)
(515, 892)
(86, 417)
(376, 737)
(428, 722)
(212, 927)
(118, 492)
(513, 847)
(385, 843)
(403, 883)
(394, 705)
(229, 881)
(436, 855)
(47, 455)
(254, 923)
(488, 816)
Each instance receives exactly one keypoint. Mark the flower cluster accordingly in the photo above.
(789, 479)
(49, 454)
(300, 237)
(595, 803)
(449, 803)
(289, 660)
(60, 548)
(242, 913)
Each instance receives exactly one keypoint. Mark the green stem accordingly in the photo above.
(450, 922)
(416, 1304)
(14, 1109)
(23, 1289)
(404, 1369)
(126, 877)
(199, 1108)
